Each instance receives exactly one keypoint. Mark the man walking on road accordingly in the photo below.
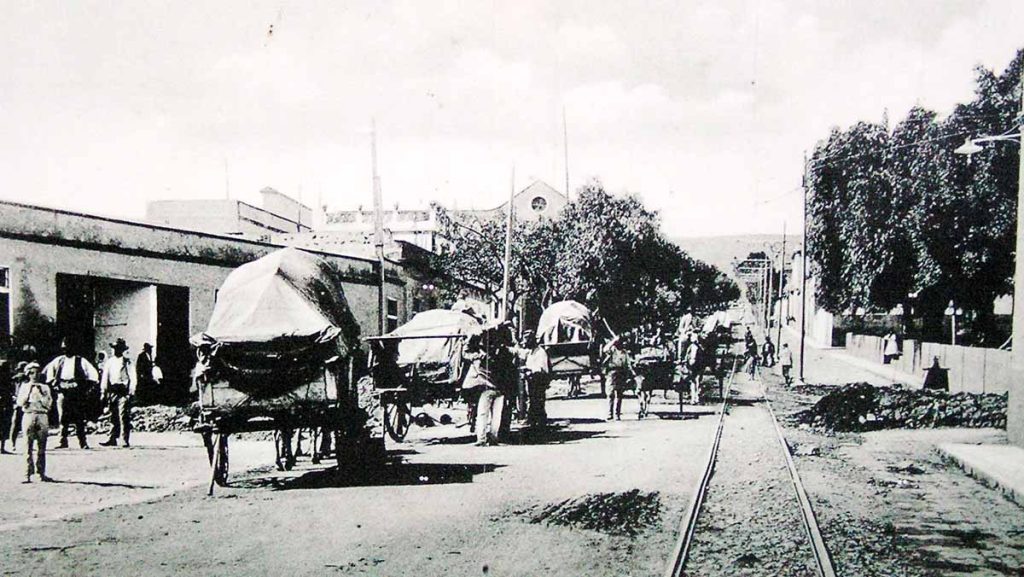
(620, 373)
(786, 361)
(35, 400)
(117, 387)
(71, 376)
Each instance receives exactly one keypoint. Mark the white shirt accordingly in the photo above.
(62, 369)
(35, 397)
(117, 371)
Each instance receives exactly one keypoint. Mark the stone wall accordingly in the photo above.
(971, 369)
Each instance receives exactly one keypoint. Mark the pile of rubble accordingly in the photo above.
(860, 407)
(624, 514)
(154, 419)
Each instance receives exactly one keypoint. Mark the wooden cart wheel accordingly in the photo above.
(220, 464)
(397, 417)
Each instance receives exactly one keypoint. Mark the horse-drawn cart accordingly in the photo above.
(565, 331)
(276, 356)
(418, 363)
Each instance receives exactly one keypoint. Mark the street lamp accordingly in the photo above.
(1015, 408)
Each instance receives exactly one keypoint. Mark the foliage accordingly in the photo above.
(605, 251)
(895, 213)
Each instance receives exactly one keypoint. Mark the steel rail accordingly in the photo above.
(822, 557)
(681, 551)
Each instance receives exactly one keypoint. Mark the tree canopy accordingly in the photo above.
(894, 214)
(602, 250)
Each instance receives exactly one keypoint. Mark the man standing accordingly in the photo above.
(694, 366)
(35, 400)
(480, 377)
(71, 375)
(537, 369)
(144, 375)
(117, 387)
(786, 360)
(620, 373)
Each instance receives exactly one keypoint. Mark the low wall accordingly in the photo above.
(971, 369)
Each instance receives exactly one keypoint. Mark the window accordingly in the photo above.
(539, 204)
(5, 302)
(392, 317)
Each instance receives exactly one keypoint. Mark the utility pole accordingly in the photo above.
(378, 231)
(803, 280)
(782, 277)
(565, 141)
(508, 248)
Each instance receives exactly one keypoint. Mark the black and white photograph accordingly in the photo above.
(524, 288)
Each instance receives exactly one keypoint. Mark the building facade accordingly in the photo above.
(96, 279)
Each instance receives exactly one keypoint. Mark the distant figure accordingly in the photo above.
(18, 416)
(751, 355)
(786, 361)
(768, 352)
(145, 384)
(35, 399)
(694, 366)
(890, 348)
(8, 393)
(936, 378)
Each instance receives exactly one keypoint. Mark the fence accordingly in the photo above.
(971, 369)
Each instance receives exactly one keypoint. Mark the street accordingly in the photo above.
(442, 507)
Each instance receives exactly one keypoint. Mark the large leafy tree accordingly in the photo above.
(603, 250)
(894, 213)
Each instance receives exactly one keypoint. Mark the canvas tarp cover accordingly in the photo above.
(278, 318)
(438, 322)
(564, 321)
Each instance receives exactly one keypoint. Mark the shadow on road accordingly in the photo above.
(102, 484)
(550, 435)
(393, 474)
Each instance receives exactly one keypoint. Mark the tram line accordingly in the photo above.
(676, 566)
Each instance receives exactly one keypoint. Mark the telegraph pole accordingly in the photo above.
(378, 231)
(803, 280)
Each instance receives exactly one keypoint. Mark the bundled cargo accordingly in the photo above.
(275, 357)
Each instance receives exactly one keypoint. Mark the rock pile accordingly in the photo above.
(624, 514)
(860, 407)
(155, 419)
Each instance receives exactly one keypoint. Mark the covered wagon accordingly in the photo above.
(277, 356)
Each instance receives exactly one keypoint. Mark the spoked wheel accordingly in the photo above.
(397, 417)
(285, 458)
(220, 461)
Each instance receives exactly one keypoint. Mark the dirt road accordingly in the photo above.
(588, 498)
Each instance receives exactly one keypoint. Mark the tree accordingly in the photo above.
(605, 251)
(896, 213)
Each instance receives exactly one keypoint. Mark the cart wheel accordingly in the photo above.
(220, 473)
(397, 417)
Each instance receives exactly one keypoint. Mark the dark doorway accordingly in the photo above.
(174, 354)
(76, 309)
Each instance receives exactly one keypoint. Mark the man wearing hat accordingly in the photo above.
(35, 400)
(117, 388)
(71, 375)
(144, 375)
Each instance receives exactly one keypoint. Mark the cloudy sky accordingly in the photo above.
(702, 108)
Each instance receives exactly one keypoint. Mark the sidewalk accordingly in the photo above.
(157, 465)
(1000, 467)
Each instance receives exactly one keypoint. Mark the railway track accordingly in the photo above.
(677, 564)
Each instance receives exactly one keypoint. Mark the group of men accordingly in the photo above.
(71, 384)
(765, 356)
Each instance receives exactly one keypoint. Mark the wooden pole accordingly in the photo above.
(782, 277)
(378, 231)
(803, 280)
(508, 249)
